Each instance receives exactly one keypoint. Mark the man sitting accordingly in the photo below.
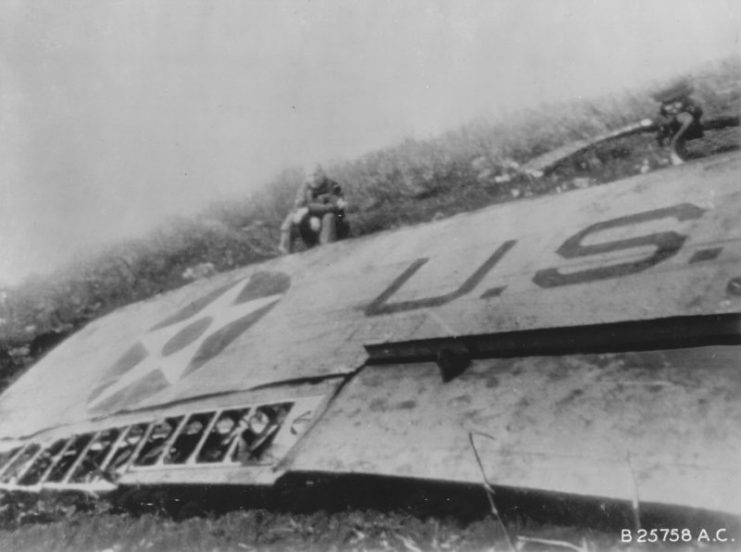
(318, 214)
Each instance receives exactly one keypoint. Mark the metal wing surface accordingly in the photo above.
(330, 354)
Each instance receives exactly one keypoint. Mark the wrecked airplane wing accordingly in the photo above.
(584, 343)
(542, 164)
(660, 425)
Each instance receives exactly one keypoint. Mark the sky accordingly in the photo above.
(115, 114)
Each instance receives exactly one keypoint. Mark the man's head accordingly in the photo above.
(317, 176)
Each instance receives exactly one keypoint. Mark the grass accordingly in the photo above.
(344, 514)
(252, 530)
(418, 517)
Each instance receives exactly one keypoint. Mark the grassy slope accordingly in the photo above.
(411, 182)
(259, 530)
(251, 530)
(417, 517)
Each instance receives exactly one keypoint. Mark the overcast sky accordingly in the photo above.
(115, 113)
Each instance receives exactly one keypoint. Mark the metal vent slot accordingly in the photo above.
(43, 463)
(246, 435)
(6, 459)
(16, 468)
(157, 442)
(64, 464)
(90, 467)
(223, 435)
(190, 436)
(259, 433)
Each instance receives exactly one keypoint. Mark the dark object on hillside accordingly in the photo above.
(724, 121)
(6, 358)
(8, 368)
(44, 342)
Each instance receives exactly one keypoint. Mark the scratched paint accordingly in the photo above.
(663, 424)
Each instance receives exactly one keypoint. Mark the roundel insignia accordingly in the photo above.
(182, 343)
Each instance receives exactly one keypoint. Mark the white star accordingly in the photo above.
(218, 314)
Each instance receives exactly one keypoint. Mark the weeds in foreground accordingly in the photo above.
(258, 530)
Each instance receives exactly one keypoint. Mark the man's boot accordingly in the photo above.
(285, 242)
(328, 231)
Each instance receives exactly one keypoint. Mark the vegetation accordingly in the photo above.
(353, 514)
(254, 530)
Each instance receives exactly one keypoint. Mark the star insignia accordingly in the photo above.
(184, 342)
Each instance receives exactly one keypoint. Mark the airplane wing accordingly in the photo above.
(587, 341)
(542, 164)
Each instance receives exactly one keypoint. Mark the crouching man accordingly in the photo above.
(318, 214)
(679, 119)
